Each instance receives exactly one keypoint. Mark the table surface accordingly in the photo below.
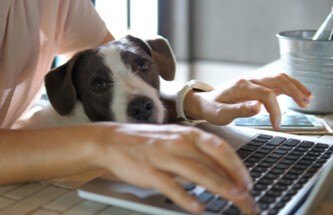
(59, 196)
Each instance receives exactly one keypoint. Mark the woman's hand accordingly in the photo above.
(152, 156)
(244, 99)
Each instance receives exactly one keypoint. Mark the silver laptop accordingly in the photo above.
(290, 176)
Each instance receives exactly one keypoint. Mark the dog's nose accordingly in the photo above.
(141, 109)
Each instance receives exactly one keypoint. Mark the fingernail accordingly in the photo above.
(306, 100)
(278, 123)
(195, 205)
(256, 209)
(248, 181)
(237, 192)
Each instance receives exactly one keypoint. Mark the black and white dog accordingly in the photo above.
(118, 81)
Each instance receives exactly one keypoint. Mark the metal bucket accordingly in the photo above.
(310, 62)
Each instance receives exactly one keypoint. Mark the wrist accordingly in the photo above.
(192, 105)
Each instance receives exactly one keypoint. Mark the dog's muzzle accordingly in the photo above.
(141, 109)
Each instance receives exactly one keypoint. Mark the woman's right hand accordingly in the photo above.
(152, 156)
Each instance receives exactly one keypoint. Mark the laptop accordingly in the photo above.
(290, 176)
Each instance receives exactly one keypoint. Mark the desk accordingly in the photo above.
(59, 196)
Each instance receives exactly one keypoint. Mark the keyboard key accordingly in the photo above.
(306, 144)
(304, 162)
(189, 186)
(273, 193)
(308, 175)
(326, 156)
(265, 181)
(282, 166)
(310, 157)
(269, 147)
(256, 193)
(303, 180)
(275, 155)
(232, 210)
(249, 147)
(281, 151)
(279, 205)
(264, 151)
(205, 197)
(284, 147)
(276, 141)
(296, 171)
(252, 159)
(256, 143)
(300, 166)
(298, 186)
(265, 164)
(291, 142)
(263, 205)
(297, 153)
(260, 187)
(321, 145)
(322, 160)
(277, 171)
(243, 153)
(260, 140)
(301, 148)
(255, 174)
(290, 176)
(318, 149)
(265, 136)
(216, 205)
(259, 169)
(287, 161)
(314, 153)
(249, 164)
(285, 181)
(285, 198)
(274, 211)
(292, 157)
(279, 187)
(267, 199)
(271, 160)
(271, 175)
(258, 155)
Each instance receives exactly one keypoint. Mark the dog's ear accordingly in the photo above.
(165, 60)
(60, 88)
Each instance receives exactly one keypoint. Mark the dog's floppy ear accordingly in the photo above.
(60, 88)
(163, 56)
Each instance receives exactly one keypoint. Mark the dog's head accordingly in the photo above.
(118, 81)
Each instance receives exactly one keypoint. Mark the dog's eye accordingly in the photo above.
(99, 83)
(142, 64)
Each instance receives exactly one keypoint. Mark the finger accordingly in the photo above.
(226, 157)
(246, 90)
(204, 176)
(283, 84)
(170, 188)
(226, 113)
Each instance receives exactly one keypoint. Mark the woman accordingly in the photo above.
(33, 32)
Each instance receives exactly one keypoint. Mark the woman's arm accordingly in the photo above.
(43, 154)
(149, 156)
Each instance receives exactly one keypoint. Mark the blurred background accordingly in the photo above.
(214, 40)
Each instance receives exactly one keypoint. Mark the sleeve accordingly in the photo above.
(79, 26)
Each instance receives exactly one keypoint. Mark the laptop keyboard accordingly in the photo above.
(279, 166)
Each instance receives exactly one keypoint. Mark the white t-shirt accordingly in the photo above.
(32, 32)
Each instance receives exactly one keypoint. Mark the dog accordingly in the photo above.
(118, 82)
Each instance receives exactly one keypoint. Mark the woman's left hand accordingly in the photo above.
(244, 99)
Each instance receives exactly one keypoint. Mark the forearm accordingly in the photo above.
(44, 154)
